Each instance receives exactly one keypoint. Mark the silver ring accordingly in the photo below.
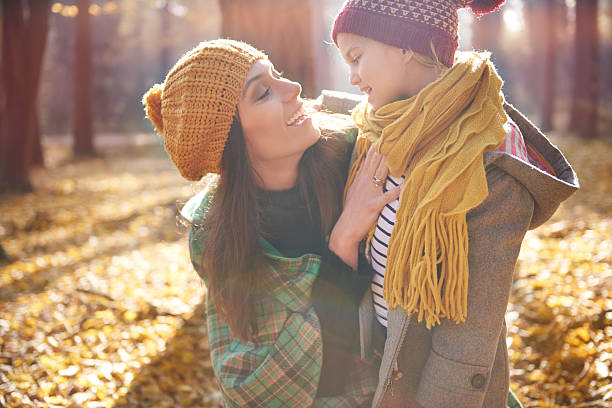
(377, 181)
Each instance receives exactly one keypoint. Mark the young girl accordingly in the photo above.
(282, 299)
(477, 175)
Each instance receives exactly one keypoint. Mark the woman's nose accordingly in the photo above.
(293, 89)
(353, 78)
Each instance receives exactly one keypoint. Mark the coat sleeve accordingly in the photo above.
(462, 355)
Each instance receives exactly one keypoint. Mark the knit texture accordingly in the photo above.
(195, 106)
(437, 140)
(409, 24)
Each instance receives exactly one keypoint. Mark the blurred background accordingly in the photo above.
(99, 303)
(81, 67)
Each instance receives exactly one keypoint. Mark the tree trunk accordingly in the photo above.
(164, 49)
(486, 32)
(36, 151)
(550, 64)
(37, 29)
(583, 117)
(536, 66)
(282, 29)
(82, 108)
(15, 139)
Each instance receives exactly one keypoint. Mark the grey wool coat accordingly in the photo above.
(466, 365)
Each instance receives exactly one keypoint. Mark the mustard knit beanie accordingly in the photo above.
(195, 106)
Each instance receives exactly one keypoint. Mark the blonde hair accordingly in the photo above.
(431, 60)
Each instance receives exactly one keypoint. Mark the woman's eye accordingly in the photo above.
(356, 59)
(263, 95)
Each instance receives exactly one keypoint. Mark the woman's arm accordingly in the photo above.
(284, 373)
(283, 369)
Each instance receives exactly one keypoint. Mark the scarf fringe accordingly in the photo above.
(427, 285)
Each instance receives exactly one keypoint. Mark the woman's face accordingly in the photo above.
(276, 128)
(378, 69)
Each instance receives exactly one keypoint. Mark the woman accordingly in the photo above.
(282, 303)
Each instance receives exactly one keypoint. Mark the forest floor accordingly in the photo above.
(100, 306)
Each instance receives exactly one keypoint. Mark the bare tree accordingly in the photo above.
(283, 29)
(583, 117)
(552, 12)
(83, 83)
(36, 36)
(24, 31)
(164, 49)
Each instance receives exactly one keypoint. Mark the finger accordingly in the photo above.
(382, 171)
(369, 160)
(363, 165)
(391, 195)
(377, 158)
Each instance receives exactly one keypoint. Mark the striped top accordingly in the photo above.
(378, 251)
(513, 144)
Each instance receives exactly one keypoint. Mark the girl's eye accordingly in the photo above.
(264, 95)
(356, 59)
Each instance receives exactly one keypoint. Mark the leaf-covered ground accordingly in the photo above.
(100, 307)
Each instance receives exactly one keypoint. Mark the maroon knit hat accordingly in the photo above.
(412, 24)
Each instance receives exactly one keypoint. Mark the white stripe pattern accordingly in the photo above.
(378, 251)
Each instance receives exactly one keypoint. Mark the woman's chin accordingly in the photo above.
(316, 135)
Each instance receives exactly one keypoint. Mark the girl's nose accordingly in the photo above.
(353, 78)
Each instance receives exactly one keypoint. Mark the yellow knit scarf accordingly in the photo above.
(436, 139)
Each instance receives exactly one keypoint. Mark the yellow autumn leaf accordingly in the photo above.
(98, 268)
(69, 372)
(91, 324)
(130, 315)
(105, 315)
(187, 356)
(56, 400)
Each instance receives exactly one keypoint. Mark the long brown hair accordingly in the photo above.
(232, 258)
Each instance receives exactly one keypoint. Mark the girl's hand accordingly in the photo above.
(364, 202)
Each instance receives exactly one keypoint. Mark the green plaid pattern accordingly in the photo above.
(281, 365)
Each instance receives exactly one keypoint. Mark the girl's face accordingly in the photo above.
(276, 127)
(378, 69)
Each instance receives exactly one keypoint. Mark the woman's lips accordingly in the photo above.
(298, 117)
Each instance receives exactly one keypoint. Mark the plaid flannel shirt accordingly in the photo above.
(281, 365)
